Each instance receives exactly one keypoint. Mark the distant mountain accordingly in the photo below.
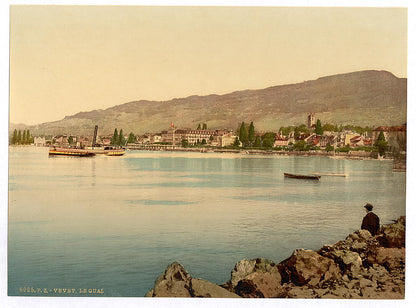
(363, 98)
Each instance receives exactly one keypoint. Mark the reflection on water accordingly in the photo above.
(117, 222)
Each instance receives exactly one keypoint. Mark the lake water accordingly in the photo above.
(115, 223)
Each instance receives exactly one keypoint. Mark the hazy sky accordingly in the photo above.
(66, 59)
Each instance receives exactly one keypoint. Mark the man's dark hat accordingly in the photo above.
(369, 206)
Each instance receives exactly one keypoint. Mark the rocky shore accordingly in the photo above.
(361, 266)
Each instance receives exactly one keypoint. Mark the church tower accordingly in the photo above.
(311, 120)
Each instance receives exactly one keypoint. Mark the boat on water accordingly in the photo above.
(301, 176)
(330, 174)
(108, 151)
(85, 152)
(111, 151)
(90, 151)
(115, 152)
(70, 152)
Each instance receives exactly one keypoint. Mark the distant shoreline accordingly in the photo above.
(355, 155)
(349, 155)
(398, 166)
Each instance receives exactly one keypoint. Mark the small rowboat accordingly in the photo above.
(330, 174)
(70, 152)
(302, 177)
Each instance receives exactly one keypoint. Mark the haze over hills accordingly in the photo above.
(371, 98)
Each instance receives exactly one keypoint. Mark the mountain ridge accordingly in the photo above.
(367, 97)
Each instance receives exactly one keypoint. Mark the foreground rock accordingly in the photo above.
(176, 282)
(307, 267)
(255, 278)
(361, 266)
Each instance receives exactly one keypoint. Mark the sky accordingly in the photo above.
(67, 59)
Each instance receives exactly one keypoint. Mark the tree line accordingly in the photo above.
(119, 139)
(246, 137)
(22, 138)
(320, 128)
(204, 126)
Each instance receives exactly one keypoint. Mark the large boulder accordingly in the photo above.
(360, 241)
(242, 269)
(259, 285)
(308, 267)
(203, 288)
(246, 267)
(391, 258)
(393, 235)
(352, 253)
(350, 262)
(177, 282)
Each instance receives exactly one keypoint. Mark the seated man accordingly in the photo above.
(371, 222)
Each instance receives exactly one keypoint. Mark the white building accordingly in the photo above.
(226, 140)
(39, 141)
(155, 138)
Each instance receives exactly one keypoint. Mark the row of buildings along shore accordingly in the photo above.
(394, 135)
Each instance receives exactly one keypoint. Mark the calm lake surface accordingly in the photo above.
(116, 223)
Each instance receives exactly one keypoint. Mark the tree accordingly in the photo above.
(328, 127)
(251, 133)
(297, 132)
(381, 144)
(358, 129)
(243, 134)
(203, 142)
(132, 138)
(399, 147)
(301, 146)
(303, 128)
(329, 147)
(199, 126)
(257, 142)
(268, 140)
(184, 143)
(204, 126)
(14, 137)
(345, 149)
(236, 143)
(121, 139)
(70, 140)
(19, 137)
(318, 128)
(114, 140)
(285, 131)
(381, 137)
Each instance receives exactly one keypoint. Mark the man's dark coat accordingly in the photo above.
(371, 222)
